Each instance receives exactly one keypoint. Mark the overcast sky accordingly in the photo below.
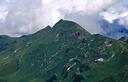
(20, 17)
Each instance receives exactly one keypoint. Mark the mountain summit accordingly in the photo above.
(63, 53)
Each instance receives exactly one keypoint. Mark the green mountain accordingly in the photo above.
(63, 53)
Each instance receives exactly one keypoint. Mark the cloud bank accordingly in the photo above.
(117, 18)
(20, 17)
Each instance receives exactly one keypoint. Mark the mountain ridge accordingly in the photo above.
(65, 52)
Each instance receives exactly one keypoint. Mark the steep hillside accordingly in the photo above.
(63, 53)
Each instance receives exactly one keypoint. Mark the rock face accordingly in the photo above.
(63, 53)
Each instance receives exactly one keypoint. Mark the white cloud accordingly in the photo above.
(20, 17)
(114, 15)
(3, 13)
(118, 11)
(52, 11)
